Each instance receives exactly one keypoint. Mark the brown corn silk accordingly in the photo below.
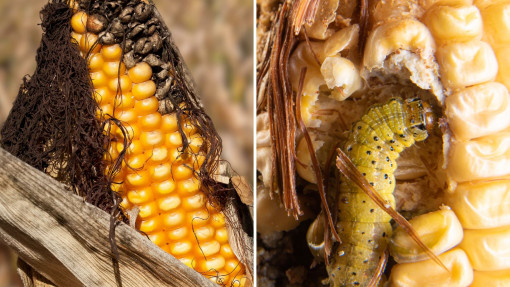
(55, 124)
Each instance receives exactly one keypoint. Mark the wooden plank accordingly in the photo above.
(66, 239)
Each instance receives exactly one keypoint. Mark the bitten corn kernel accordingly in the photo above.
(482, 205)
(439, 230)
(488, 249)
(430, 274)
(407, 34)
(342, 76)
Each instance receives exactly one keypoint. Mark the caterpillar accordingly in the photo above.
(373, 146)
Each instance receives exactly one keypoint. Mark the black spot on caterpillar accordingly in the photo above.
(374, 144)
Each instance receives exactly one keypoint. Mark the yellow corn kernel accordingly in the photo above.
(144, 90)
(491, 278)
(439, 230)
(106, 110)
(125, 84)
(158, 238)
(126, 116)
(169, 123)
(178, 233)
(169, 202)
(211, 264)
(79, 22)
(137, 161)
(173, 139)
(466, 64)
(141, 72)
(140, 178)
(139, 196)
(151, 139)
(89, 43)
(134, 148)
(204, 233)
(174, 218)
(112, 52)
(160, 172)
(95, 63)
(114, 69)
(430, 274)
(99, 79)
(165, 187)
(150, 225)
(208, 248)
(198, 218)
(478, 111)
(482, 205)
(124, 101)
(76, 37)
(180, 248)
(226, 251)
(218, 220)
(103, 96)
(150, 122)
(488, 249)
(159, 154)
(147, 106)
(148, 210)
(454, 24)
(481, 158)
(221, 235)
(181, 172)
(194, 202)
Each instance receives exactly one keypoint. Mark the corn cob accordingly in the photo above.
(157, 176)
(458, 50)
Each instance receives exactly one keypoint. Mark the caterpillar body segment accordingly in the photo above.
(373, 147)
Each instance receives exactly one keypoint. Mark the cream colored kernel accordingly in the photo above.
(466, 64)
(478, 111)
(488, 249)
(454, 23)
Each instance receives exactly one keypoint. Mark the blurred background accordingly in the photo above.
(215, 38)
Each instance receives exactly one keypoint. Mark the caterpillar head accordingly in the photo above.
(420, 118)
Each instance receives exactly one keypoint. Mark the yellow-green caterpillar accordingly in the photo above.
(373, 147)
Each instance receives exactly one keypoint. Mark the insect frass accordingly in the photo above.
(373, 147)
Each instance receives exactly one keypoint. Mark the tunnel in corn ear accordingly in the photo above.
(453, 187)
(154, 130)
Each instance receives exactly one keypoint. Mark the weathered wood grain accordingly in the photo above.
(66, 239)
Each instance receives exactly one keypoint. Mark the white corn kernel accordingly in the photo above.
(407, 34)
(466, 64)
(485, 157)
(483, 204)
(488, 249)
(439, 230)
(478, 111)
(341, 75)
(430, 274)
(454, 24)
(340, 41)
(491, 278)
